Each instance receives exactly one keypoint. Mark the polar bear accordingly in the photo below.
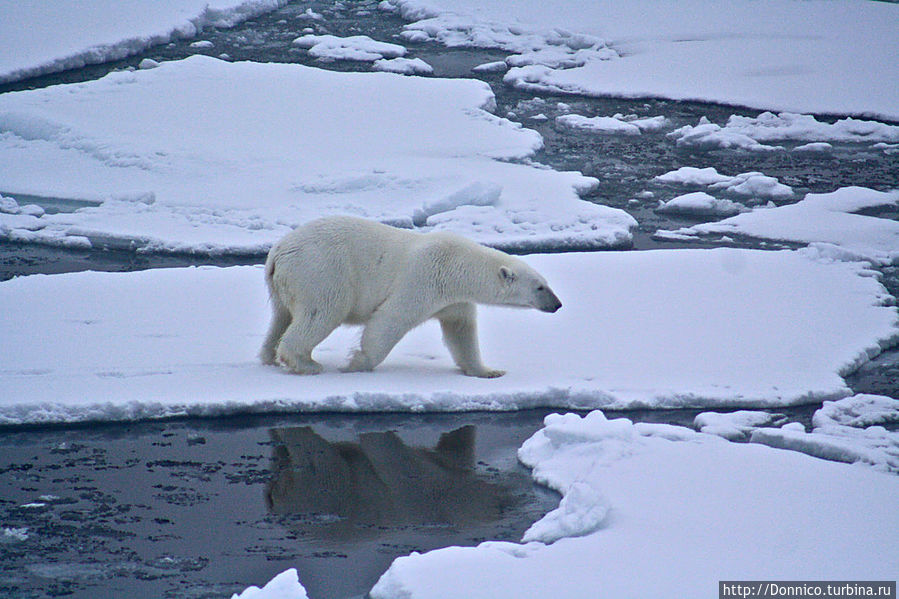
(347, 270)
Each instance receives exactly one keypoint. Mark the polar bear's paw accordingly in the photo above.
(298, 366)
(360, 362)
(484, 373)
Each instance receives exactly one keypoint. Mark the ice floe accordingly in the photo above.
(14, 534)
(748, 185)
(405, 66)
(731, 52)
(285, 585)
(748, 133)
(248, 151)
(660, 329)
(848, 430)
(700, 203)
(35, 42)
(826, 221)
(700, 509)
(355, 47)
(735, 425)
(619, 123)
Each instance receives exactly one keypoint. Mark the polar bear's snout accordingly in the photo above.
(547, 300)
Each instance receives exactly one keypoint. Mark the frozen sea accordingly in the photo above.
(748, 292)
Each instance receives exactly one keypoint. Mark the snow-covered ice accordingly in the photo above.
(670, 328)
(14, 534)
(354, 47)
(827, 221)
(734, 425)
(858, 411)
(748, 133)
(751, 184)
(601, 124)
(618, 123)
(34, 42)
(706, 135)
(832, 58)
(815, 146)
(700, 203)
(405, 66)
(643, 494)
(194, 184)
(285, 585)
(848, 430)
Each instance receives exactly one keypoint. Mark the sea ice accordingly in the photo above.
(709, 136)
(250, 150)
(752, 184)
(600, 124)
(826, 221)
(858, 411)
(405, 66)
(35, 42)
(618, 123)
(700, 203)
(14, 534)
(356, 47)
(695, 506)
(732, 52)
(748, 132)
(734, 426)
(285, 585)
(847, 430)
(654, 329)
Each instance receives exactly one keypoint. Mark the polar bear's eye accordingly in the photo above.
(541, 288)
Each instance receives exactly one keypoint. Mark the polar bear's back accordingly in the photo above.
(342, 260)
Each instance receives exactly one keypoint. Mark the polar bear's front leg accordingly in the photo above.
(460, 334)
(382, 332)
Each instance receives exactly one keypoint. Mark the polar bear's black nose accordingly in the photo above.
(551, 303)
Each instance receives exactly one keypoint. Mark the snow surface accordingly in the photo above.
(752, 184)
(784, 55)
(600, 124)
(859, 411)
(405, 66)
(659, 329)
(618, 123)
(748, 133)
(700, 203)
(285, 585)
(847, 430)
(14, 535)
(96, 31)
(172, 157)
(734, 426)
(826, 221)
(676, 499)
(355, 47)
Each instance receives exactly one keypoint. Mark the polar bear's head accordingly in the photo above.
(524, 287)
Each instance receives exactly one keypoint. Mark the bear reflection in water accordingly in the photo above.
(348, 489)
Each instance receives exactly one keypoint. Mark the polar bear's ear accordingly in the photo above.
(506, 274)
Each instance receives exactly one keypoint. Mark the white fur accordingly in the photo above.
(347, 270)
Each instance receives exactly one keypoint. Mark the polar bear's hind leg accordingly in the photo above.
(308, 329)
(280, 322)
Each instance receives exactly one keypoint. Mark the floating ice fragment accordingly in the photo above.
(700, 204)
(285, 585)
(734, 425)
(404, 66)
